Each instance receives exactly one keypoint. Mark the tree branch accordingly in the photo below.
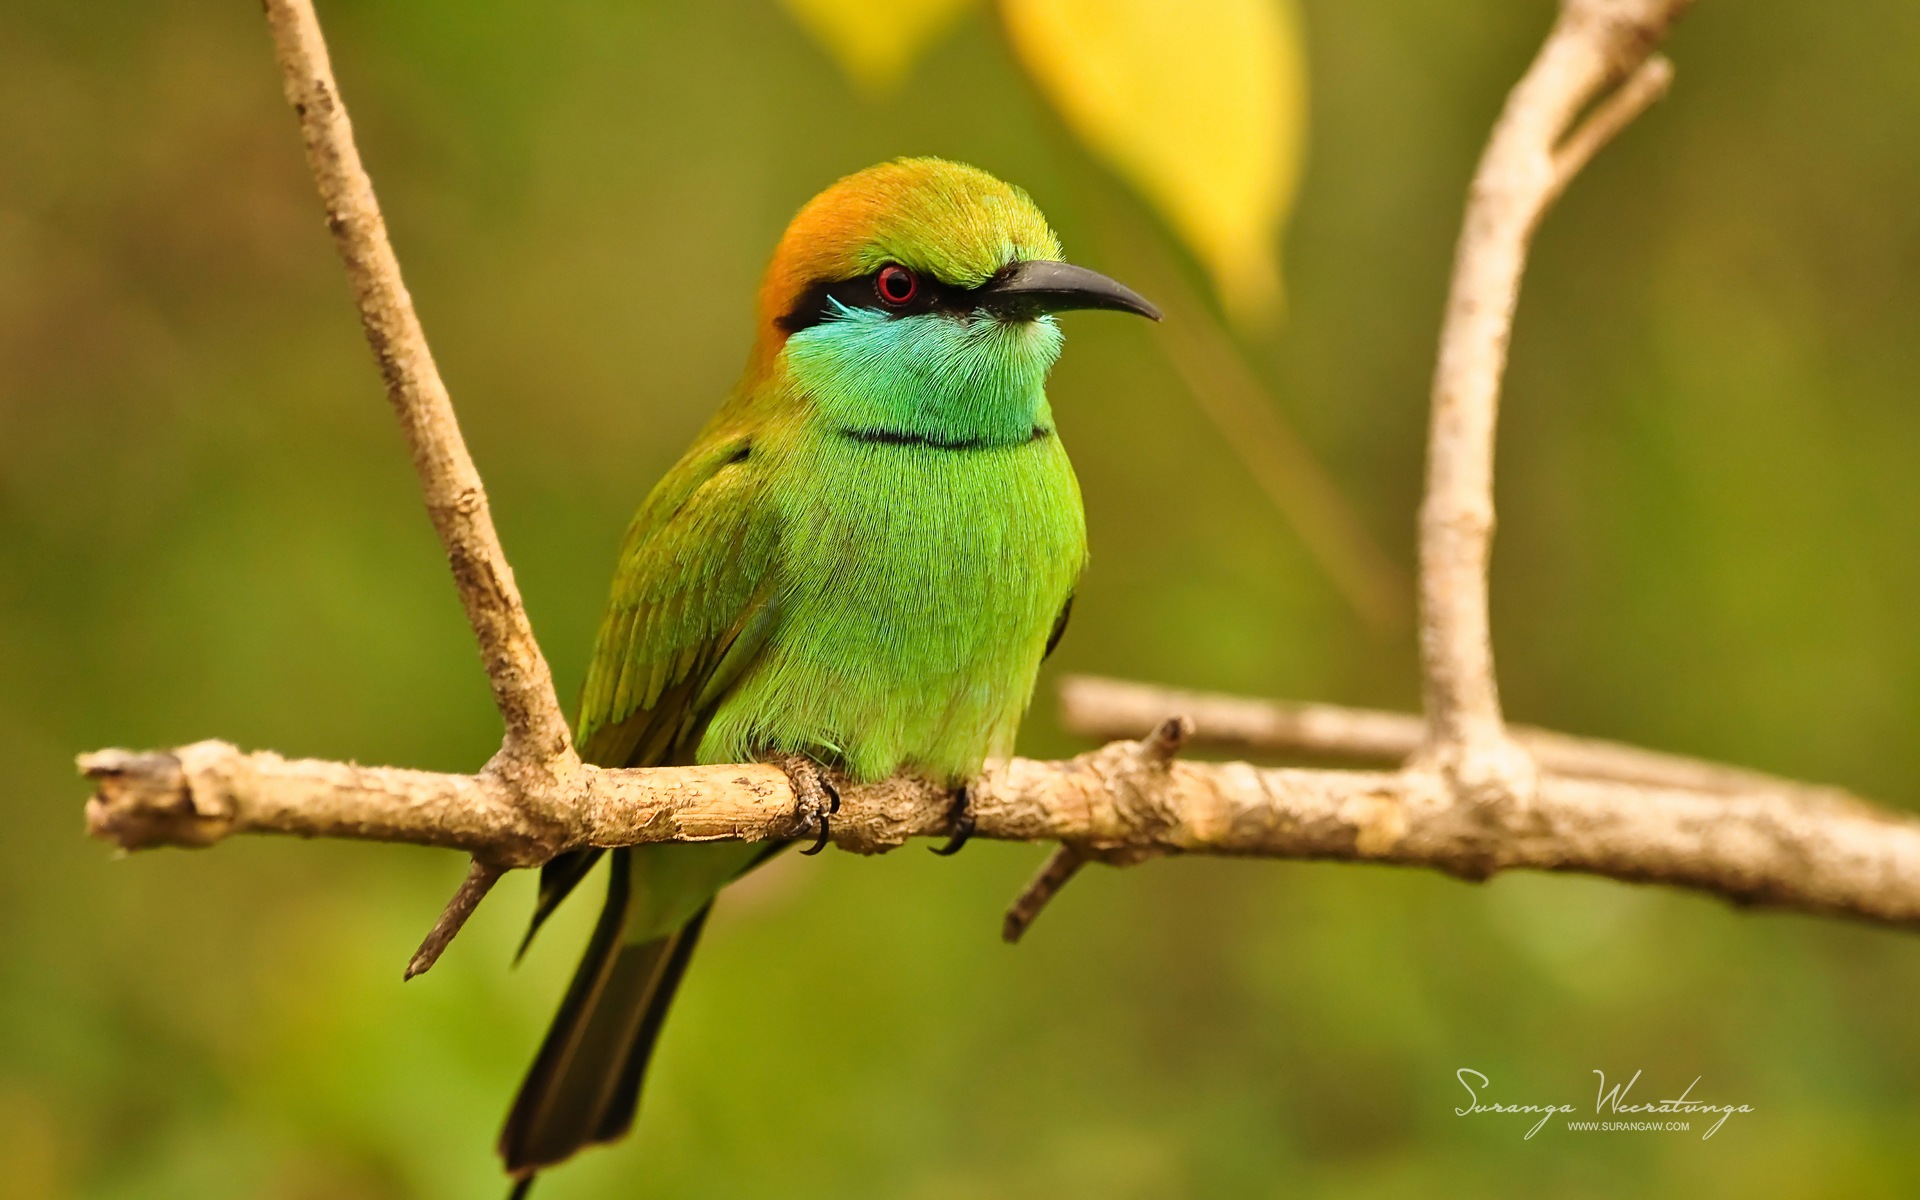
(1061, 866)
(537, 746)
(481, 876)
(1094, 707)
(1528, 161)
(536, 729)
(1470, 805)
(1648, 83)
(1123, 802)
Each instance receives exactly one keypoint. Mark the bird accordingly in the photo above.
(854, 571)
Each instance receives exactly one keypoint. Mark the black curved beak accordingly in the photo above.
(1027, 289)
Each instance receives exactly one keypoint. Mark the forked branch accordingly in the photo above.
(1537, 145)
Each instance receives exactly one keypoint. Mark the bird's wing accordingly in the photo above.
(1059, 628)
(690, 597)
(692, 606)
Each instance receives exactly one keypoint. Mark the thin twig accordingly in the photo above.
(1061, 866)
(1642, 90)
(479, 881)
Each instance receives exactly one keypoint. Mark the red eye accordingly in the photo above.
(896, 285)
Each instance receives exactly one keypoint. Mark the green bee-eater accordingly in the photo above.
(860, 563)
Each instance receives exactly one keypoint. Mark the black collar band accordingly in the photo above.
(899, 437)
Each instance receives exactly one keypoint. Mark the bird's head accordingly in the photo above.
(917, 297)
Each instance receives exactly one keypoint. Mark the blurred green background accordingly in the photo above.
(1710, 543)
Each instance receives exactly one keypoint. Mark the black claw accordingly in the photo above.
(820, 842)
(962, 818)
(809, 779)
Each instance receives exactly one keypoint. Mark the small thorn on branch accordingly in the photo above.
(1064, 863)
(1166, 739)
(479, 881)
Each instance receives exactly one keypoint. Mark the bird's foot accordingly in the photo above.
(960, 819)
(819, 799)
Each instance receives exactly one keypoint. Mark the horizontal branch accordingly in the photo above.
(1122, 803)
(1095, 707)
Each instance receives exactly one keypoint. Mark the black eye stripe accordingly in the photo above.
(816, 303)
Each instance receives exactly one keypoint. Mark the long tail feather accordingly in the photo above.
(584, 1086)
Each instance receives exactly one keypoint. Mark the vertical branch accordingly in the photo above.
(537, 746)
(1529, 159)
(536, 729)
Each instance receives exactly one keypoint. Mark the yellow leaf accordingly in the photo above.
(876, 41)
(1199, 104)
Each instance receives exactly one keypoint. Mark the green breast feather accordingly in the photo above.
(790, 588)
